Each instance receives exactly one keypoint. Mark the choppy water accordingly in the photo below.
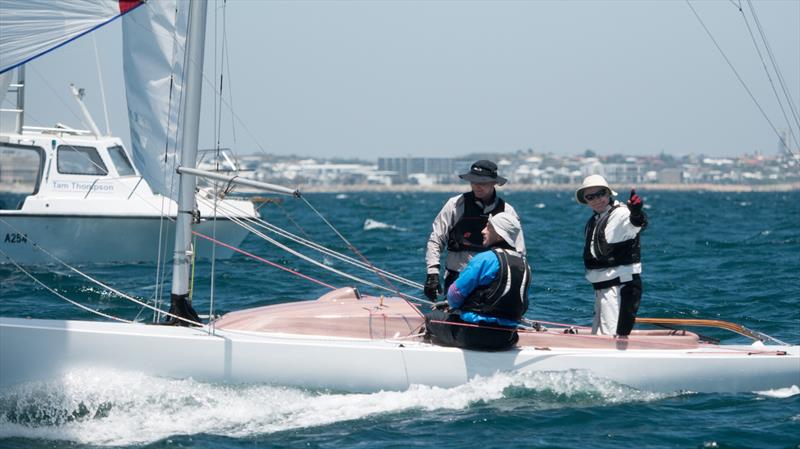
(730, 256)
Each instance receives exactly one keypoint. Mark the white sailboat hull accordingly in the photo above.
(33, 349)
(98, 239)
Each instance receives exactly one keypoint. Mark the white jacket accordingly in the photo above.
(618, 229)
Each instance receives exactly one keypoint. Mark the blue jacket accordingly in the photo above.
(481, 270)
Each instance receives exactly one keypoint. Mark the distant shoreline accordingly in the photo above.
(786, 187)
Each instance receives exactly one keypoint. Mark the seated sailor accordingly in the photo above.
(489, 297)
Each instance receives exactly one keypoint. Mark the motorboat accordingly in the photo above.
(75, 195)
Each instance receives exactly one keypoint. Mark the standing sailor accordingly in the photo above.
(611, 255)
(458, 226)
(489, 297)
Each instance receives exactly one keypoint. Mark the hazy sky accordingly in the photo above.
(446, 78)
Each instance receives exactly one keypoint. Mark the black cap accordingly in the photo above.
(483, 171)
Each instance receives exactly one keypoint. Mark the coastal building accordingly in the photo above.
(625, 173)
(525, 168)
(414, 170)
(670, 176)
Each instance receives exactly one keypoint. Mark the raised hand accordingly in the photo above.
(635, 205)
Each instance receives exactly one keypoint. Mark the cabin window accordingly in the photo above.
(121, 161)
(20, 172)
(77, 160)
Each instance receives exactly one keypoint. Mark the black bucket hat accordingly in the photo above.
(483, 171)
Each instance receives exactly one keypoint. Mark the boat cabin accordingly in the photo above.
(44, 163)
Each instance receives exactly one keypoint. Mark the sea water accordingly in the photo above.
(727, 256)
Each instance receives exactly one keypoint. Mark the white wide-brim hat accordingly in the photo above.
(506, 226)
(588, 183)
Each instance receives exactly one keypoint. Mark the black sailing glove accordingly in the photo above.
(432, 286)
(635, 205)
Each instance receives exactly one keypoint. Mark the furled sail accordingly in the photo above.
(154, 40)
(32, 28)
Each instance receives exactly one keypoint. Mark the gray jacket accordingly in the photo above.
(450, 214)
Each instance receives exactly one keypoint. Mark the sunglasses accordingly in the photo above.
(591, 196)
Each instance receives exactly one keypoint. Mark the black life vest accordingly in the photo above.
(507, 295)
(608, 255)
(466, 233)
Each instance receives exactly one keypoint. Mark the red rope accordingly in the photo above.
(261, 259)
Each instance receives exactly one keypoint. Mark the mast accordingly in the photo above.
(190, 111)
(87, 117)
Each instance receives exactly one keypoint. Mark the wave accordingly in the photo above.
(370, 224)
(781, 393)
(107, 407)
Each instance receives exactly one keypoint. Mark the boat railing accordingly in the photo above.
(59, 130)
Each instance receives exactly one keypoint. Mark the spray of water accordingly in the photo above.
(102, 407)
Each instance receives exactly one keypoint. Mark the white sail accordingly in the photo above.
(32, 28)
(154, 40)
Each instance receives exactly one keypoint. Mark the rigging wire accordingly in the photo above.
(735, 72)
(227, 63)
(74, 303)
(100, 283)
(775, 67)
(101, 83)
(215, 184)
(403, 296)
(314, 262)
(337, 255)
(304, 276)
(242, 222)
(350, 245)
(234, 116)
(777, 71)
(261, 223)
(169, 163)
(261, 259)
(55, 93)
(296, 224)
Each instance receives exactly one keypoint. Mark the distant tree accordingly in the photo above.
(589, 153)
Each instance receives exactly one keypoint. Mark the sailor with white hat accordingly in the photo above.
(458, 226)
(489, 297)
(612, 255)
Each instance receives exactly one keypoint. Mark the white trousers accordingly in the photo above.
(606, 310)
